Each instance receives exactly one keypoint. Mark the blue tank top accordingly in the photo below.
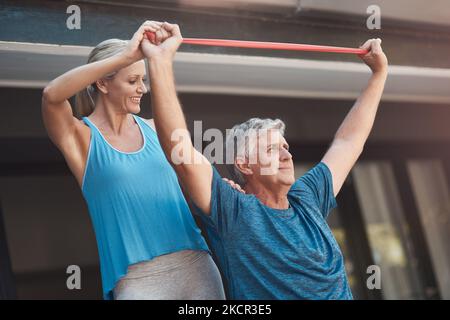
(136, 205)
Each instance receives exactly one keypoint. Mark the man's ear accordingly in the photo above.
(243, 166)
(102, 86)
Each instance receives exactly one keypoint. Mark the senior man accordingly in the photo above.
(271, 242)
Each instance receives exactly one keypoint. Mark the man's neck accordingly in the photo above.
(270, 198)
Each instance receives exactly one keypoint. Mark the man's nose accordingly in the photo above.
(285, 154)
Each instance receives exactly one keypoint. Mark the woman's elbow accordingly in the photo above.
(48, 95)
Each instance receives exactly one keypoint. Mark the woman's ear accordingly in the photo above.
(102, 86)
(243, 166)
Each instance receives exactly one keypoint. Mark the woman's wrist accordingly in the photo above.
(125, 59)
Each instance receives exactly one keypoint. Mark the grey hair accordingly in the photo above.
(239, 139)
(85, 99)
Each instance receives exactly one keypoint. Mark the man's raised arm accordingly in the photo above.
(351, 136)
(193, 169)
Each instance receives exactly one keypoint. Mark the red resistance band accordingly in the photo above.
(266, 45)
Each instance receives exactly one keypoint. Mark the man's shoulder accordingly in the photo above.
(224, 191)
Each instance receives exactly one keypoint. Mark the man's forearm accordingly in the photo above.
(166, 107)
(358, 123)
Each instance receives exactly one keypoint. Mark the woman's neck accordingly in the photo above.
(111, 121)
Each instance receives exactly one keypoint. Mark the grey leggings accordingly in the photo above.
(182, 275)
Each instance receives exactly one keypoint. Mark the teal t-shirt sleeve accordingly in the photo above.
(318, 184)
(224, 205)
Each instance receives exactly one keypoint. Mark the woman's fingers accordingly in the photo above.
(157, 32)
(160, 34)
(233, 184)
(153, 24)
(150, 36)
(150, 27)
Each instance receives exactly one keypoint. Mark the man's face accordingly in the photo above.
(273, 165)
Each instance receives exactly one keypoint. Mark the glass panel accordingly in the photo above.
(387, 230)
(431, 191)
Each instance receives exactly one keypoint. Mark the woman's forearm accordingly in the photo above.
(75, 80)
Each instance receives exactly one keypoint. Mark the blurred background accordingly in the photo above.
(394, 209)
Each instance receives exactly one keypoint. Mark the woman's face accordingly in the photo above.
(127, 87)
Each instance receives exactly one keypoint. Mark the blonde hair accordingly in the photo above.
(85, 99)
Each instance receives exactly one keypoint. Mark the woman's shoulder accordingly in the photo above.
(149, 122)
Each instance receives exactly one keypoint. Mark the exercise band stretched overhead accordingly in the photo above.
(266, 45)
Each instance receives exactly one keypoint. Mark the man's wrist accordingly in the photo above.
(380, 74)
(160, 61)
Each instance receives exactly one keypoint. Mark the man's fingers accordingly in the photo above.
(173, 29)
(164, 33)
(376, 46)
(366, 45)
(159, 37)
(373, 46)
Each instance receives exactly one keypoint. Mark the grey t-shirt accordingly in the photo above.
(266, 253)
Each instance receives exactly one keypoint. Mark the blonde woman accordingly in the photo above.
(148, 242)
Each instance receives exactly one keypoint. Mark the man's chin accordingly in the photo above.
(288, 181)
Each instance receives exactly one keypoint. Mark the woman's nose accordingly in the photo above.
(142, 88)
